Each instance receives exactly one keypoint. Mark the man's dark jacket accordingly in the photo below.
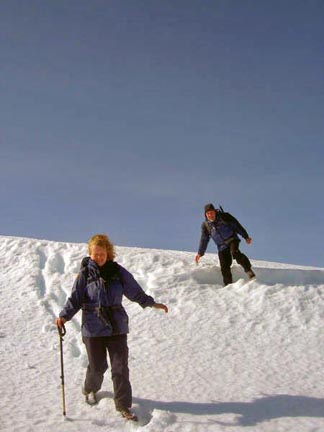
(222, 230)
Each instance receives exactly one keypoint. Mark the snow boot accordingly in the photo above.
(90, 398)
(250, 274)
(128, 415)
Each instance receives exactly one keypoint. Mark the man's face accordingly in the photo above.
(211, 215)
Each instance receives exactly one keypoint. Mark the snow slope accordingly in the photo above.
(248, 357)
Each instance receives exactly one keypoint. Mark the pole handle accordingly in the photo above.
(61, 330)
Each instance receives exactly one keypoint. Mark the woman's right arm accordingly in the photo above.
(74, 302)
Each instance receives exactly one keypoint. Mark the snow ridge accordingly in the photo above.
(245, 357)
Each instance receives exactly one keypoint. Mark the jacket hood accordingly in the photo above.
(108, 271)
(84, 262)
(91, 268)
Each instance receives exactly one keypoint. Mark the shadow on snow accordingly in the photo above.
(248, 413)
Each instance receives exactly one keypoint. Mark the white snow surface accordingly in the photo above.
(246, 357)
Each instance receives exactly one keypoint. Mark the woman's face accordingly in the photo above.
(98, 255)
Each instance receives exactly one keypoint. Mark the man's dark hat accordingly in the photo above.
(209, 207)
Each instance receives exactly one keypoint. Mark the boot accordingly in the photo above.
(90, 398)
(127, 414)
(250, 274)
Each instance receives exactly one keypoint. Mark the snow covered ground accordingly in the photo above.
(248, 357)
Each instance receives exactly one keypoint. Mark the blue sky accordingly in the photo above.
(126, 117)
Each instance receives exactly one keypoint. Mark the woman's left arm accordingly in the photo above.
(134, 292)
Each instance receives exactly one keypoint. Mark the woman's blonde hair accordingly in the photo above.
(103, 241)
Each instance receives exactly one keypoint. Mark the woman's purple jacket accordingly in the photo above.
(92, 294)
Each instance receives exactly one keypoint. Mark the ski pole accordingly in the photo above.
(62, 332)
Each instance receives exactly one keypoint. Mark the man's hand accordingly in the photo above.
(248, 240)
(197, 258)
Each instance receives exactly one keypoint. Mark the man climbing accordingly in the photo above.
(223, 228)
